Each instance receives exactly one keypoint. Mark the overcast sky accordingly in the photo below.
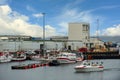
(23, 17)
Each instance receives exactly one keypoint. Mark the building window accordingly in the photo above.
(85, 27)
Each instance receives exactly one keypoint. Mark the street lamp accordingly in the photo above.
(98, 31)
(43, 33)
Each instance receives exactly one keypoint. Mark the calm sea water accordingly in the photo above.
(62, 72)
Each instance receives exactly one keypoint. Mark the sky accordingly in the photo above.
(25, 17)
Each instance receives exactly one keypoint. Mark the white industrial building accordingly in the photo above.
(27, 45)
(78, 36)
(79, 31)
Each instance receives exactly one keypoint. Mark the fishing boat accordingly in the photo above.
(66, 57)
(36, 57)
(19, 56)
(39, 57)
(5, 56)
(87, 66)
(29, 54)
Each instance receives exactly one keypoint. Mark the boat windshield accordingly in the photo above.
(86, 63)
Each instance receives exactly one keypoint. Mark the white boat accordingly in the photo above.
(19, 56)
(36, 57)
(30, 52)
(5, 56)
(66, 57)
(80, 57)
(86, 66)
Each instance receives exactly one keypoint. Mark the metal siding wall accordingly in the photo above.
(26, 45)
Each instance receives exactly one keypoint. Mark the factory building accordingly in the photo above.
(79, 31)
(78, 36)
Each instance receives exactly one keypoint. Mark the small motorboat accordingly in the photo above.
(86, 66)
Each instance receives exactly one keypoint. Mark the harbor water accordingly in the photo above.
(62, 72)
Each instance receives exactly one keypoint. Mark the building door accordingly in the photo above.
(69, 47)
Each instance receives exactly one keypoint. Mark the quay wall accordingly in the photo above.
(102, 55)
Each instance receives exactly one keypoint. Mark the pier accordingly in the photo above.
(102, 55)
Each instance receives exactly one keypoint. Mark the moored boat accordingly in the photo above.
(36, 57)
(66, 57)
(5, 56)
(19, 56)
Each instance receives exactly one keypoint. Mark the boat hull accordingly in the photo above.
(18, 59)
(89, 69)
(65, 60)
(5, 60)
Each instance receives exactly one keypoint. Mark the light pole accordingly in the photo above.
(98, 30)
(43, 33)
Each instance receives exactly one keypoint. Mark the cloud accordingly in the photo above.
(64, 27)
(71, 4)
(5, 10)
(72, 12)
(29, 8)
(3, 2)
(73, 15)
(110, 7)
(112, 31)
(104, 7)
(38, 15)
(14, 23)
(49, 30)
